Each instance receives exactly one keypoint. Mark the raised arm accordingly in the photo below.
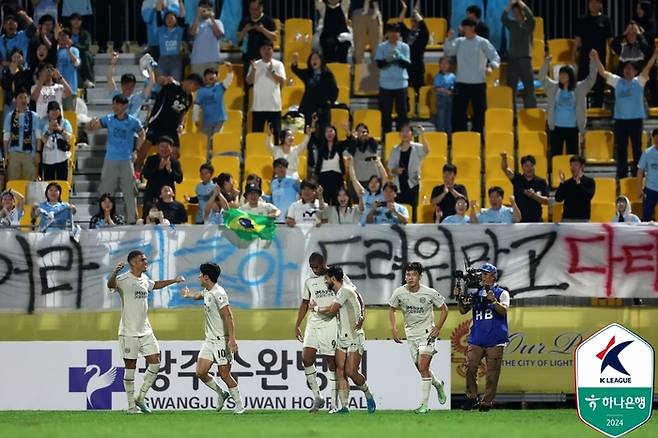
(164, 283)
(112, 281)
(516, 212)
(647, 68)
(594, 56)
(473, 213)
(504, 165)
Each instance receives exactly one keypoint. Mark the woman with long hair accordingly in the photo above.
(344, 212)
(107, 215)
(56, 137)
(320, 88)
(329, 166)
(50, 86)
(286, 149)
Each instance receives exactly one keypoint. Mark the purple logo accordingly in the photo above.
(99, 379)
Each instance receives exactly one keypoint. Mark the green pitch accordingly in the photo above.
(560, 423)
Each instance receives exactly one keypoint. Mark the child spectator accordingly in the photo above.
(82, 41)
(171, 31)
(285, 188)
(68, 61)
(210, 99)
(204, 191)
(444, 86)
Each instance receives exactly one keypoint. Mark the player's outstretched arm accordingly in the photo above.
(329, 310)
(394, 325)
(164, 283)
(301, 314)
(229, 327)
(442, 319)
(186, 293)
(112, 281)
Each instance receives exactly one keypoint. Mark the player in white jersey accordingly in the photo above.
(349, 307)
(417, 303)
(135, 333)
(220, 345)
(320, 334)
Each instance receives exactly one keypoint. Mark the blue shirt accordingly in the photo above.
(565, 109)
(215, 218)
(44, 7)
(36, 125)
(456, 219)
(489, 327)
(369, 200)
(284, 194)
(629, 97)
(20, 40)
(203, 192)
(472, 56)
(68, 70)
(61, 212)
(383, 216)
(120, 133)
(170, 40)
(82, 7)
(211, 100)
(446, 81)
(135, 102)
(394, 76)
(649, 164)
(504, 215)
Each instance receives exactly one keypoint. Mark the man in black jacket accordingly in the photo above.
(576, 192)
(160, 169)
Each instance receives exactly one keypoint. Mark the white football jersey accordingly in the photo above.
(214, 300)
(417, 308)
(134, 304)
(349, 313)
(315, 289)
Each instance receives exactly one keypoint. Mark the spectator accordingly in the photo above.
(204, 191)
(118, 166)
(38, 58)
(82, 41)
(171, 30)
(154, 217)
(567, 106)
(631, 47)
(629, 112)
(160, 170)
(460, 217)
(388, 211)
(210, 99)
(252, 179)
(171, 209)
(53, 214)
(207, 32)
(367, 27)
(404, 164)
(287, 151)
(110, 23)
(472, 52)
(530, 191)
(44, 7)
(519, 61)
(320, 89)
(371, 192)
(13, 38)
(168, 112)
(444, 89)
(68, 61)
(254, 31)
(343, 212)
(21, 140)
(393, 60)
(107, 214)
(12, 209)
(14, 77)
(329, 166)
(285, 189)
(474, 13)
(623, 212)
(576, 192)
(334, 30)
(47, 35)
(51, 86)
(214, 208)
(128, 83)
(416, 38)
(445, 196)
(364, 153)
(255, 205)
(645, 19)
(497, 213)
(80, 7)
(226, 185)
(307, 209)
(56, 136)
(593, 31)
(648, 167)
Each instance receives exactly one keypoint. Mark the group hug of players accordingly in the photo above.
(333, 330)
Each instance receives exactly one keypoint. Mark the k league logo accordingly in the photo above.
(99, 379)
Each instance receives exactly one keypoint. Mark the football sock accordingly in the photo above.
(334, 389)
(366, 390)
(343, 395)
(149, 378)
(311, 379)
(425, 390)
(212, 384)
(129, 384)
(435, 382)
(235, 393)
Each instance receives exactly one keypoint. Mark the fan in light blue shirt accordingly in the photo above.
(68, 59)
(472, 52)
(393, 58)
(497, 213)
(649, 165)
(285, 189)
(120, 136)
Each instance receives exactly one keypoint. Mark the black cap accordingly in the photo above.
(252, 188)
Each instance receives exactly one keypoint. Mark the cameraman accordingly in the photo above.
(488, 336)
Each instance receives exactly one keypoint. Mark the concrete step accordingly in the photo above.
(102, 93)
(103, 59)
(100, 73)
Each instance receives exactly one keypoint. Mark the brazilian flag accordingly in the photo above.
(249, 226)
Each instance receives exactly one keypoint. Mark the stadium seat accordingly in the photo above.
(372, 118)
(292, 80)
(234, 122)
(538, 53)
(466, 144)
(391, 139)
(226, 143)
(194, 144)
(291, 96)
(492, 168)
(297, 28)
(190, 166)
(238, 75)
(473, 188)
(189, 127)
(234, 99)
(366, 80)
(560, 163)
(606, 190)
(410, 211)
(437, 27)
(493, 78)
(431, 70)
(503, 183)
(599, 147)
(531, 119)
(500, 97)
(541, 167)
(599, 113)
(630, 187)
(558, 209)
(431, 167)
(186, 188)
(227, 164)
(468, 167)
(256, 144)
(499, 119)
(533, 143)
(344, 94)
(602, 212)
(426, 102)
(426, 186)
(497, 142)
(539, 29)
(260, 165)
(425, 213)
(340, 117)
(560, 50)
(341, 72)
(438, 142)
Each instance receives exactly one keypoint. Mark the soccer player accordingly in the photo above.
(220, 345)
(135, 332)
(417, 303)
(320, 334)
(348, 305)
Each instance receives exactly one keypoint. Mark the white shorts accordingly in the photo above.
(216, 350)
(134, 346)
(322, 339)
(418, 346)
(352, 345)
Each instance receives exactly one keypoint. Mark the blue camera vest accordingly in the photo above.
(489, 327)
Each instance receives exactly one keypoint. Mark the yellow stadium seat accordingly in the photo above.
(72, 117)
(538, 54)
(238, 75)
(437, 27)
(531, 119)
(539, 29)
(292, 80)
(425, 214)
(602, 212)
(277, 29)
(494, 76)
(227, 164)
(497, 142)
(194, 144)
(225, 143)
(187, 187)
(560, 163)
(630, 187)
(426, 187)
(339, 118)
(189, 127)
(438, 142)
(19, 185)
(558, 209)
(492, 169)
(291, 96)
(560, 50)
(431, 70)
(410, 211)
(234, 98)
(468, 167)
(500, 97)
(504, 184)
(344, 94)
(541, 167)
(466, 144)
(302, 47)
(426, 102)
(341, 72)
(532, 143)
(431, 167)
(391, 139)
(234, 122)
(256, 144)
(599, 113)
(260, 165)
(499, 119)
(606, 190)
(297, 28)
(366, 79)
(473, 188)
(190, 166)
(372, 118)
(599, 146)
